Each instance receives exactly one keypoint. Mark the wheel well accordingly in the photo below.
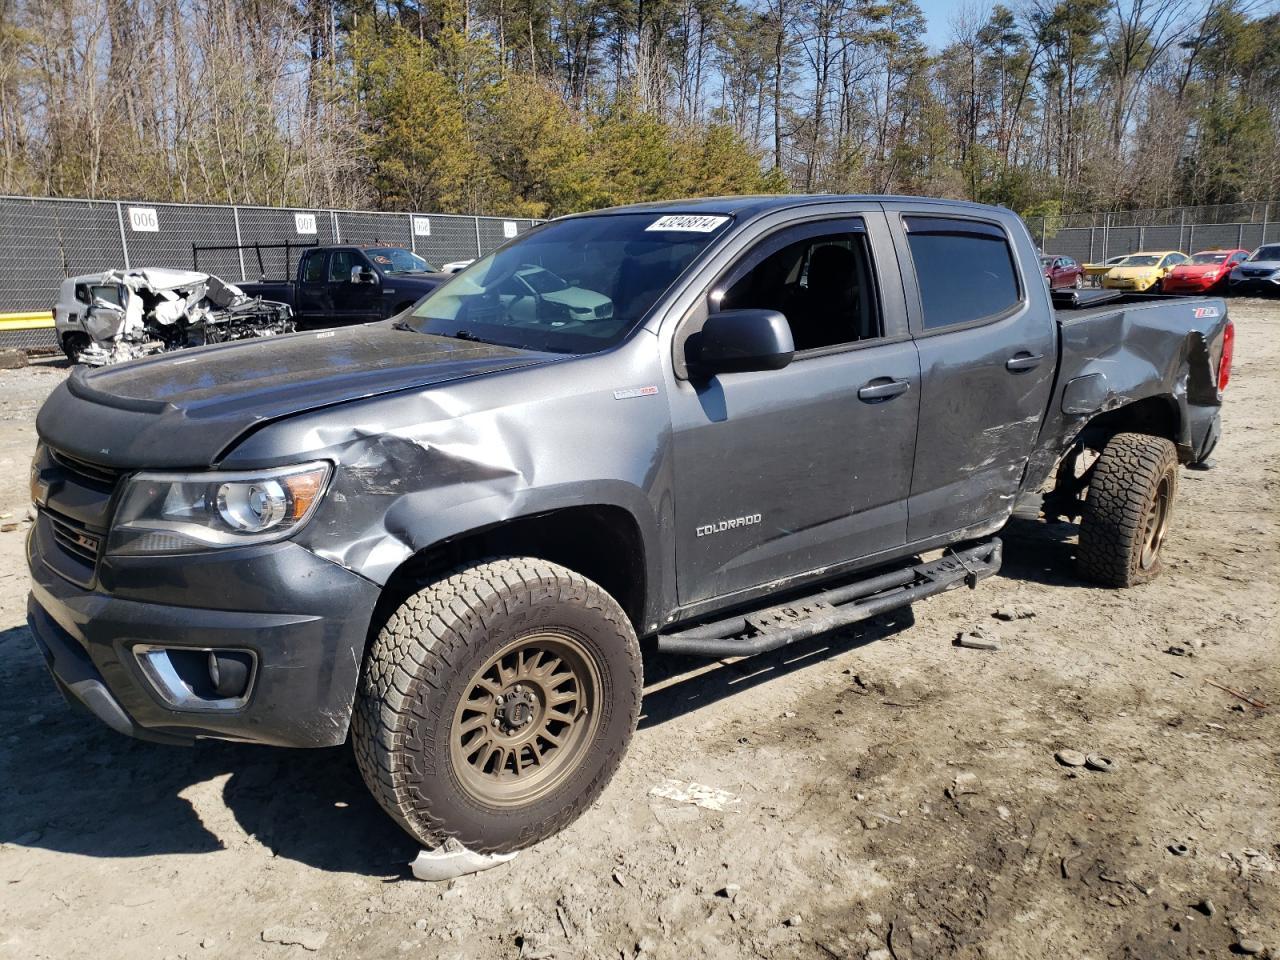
(600, 542)
(1156, 416)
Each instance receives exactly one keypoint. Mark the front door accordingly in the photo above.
(987, 358)
(785, 472)
(353, 301)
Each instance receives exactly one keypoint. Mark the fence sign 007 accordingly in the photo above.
(304, 223)
(144, 220)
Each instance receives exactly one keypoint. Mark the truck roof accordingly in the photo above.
(765, 203)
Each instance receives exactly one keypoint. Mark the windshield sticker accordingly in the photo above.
(381, 259)
(685, 223)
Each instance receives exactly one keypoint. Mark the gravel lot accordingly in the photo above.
(888, 799)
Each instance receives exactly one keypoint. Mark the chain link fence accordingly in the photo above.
(44, 240)
(1095, 237)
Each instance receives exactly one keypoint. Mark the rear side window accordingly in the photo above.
(313, 268)
(964, 270)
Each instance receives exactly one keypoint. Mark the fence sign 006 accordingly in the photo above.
(509, 228)
(144, 220)
(304, 223)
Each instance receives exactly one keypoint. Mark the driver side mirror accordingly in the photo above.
(363, 275)
(737, 341)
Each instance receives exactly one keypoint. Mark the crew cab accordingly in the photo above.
(718, 426)
(351, 284)
(1205, 272)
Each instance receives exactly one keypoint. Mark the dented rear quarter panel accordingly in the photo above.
(1110, 358)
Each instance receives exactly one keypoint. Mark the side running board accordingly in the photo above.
(774, 627)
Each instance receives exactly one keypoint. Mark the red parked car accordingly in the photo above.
(1205, 271)
(1062, 272)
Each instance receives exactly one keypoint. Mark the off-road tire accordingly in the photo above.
(427, 658)
(1133, 486)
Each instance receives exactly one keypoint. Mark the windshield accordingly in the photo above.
(1209, 257)
(572, 286)
(1140, 260)
(398, 260)
(1266, 253)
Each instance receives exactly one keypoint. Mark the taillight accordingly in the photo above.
(1224, 361)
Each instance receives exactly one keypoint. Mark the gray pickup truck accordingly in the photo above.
(718, 426)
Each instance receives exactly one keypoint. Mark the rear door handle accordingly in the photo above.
(1023, 361)
(882, 388)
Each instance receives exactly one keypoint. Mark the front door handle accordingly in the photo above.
(1023, 361)
(882, 388)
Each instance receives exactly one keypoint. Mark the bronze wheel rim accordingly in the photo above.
(1157, 525)
(525, 719)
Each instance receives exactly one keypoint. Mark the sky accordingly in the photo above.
(938, 14)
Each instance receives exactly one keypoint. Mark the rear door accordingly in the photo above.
(781, 472)
(987, 357)
(313, 288)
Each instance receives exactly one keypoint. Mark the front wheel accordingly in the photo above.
(496, 704)
(1127, 510)
(1079, 282)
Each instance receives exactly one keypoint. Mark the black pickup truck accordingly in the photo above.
(716, 426)
(351, 284)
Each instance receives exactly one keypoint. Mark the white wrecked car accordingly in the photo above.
(121, 315)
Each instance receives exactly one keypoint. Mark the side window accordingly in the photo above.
(964, 269)
(313, 268)
(1240, 257)
(340, 264)
(818, 276)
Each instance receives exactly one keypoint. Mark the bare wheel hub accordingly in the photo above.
(525, 720)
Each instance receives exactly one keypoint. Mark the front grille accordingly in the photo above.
(75, 538)
(98, 475)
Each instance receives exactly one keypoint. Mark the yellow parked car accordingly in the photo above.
(1094, 272)
(1143, 272)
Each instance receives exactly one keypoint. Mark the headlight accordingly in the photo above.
(186, 512)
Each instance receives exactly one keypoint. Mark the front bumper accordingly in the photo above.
(1181, 285)
(1269, 285)
(304, 619)
(1116, 283)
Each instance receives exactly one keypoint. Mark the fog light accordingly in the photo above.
(194, 678)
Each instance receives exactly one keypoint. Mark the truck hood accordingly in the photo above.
(187, 408)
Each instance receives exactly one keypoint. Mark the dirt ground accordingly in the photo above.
(881, 792)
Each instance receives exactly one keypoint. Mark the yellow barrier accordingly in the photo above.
(32, 320)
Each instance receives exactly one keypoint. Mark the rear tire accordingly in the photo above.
(1127, 510)
(496, 704)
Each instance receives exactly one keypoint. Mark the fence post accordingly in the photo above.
(1044, 229)
(124, 244)
(1239, 234)
(1191, 238)
(235, 213)
(333, 224)
(1266, 211)
(1106, 236)
(479, 252)
(413, 241)
(1142, 238)
(1091, 232)
(1182, 225)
